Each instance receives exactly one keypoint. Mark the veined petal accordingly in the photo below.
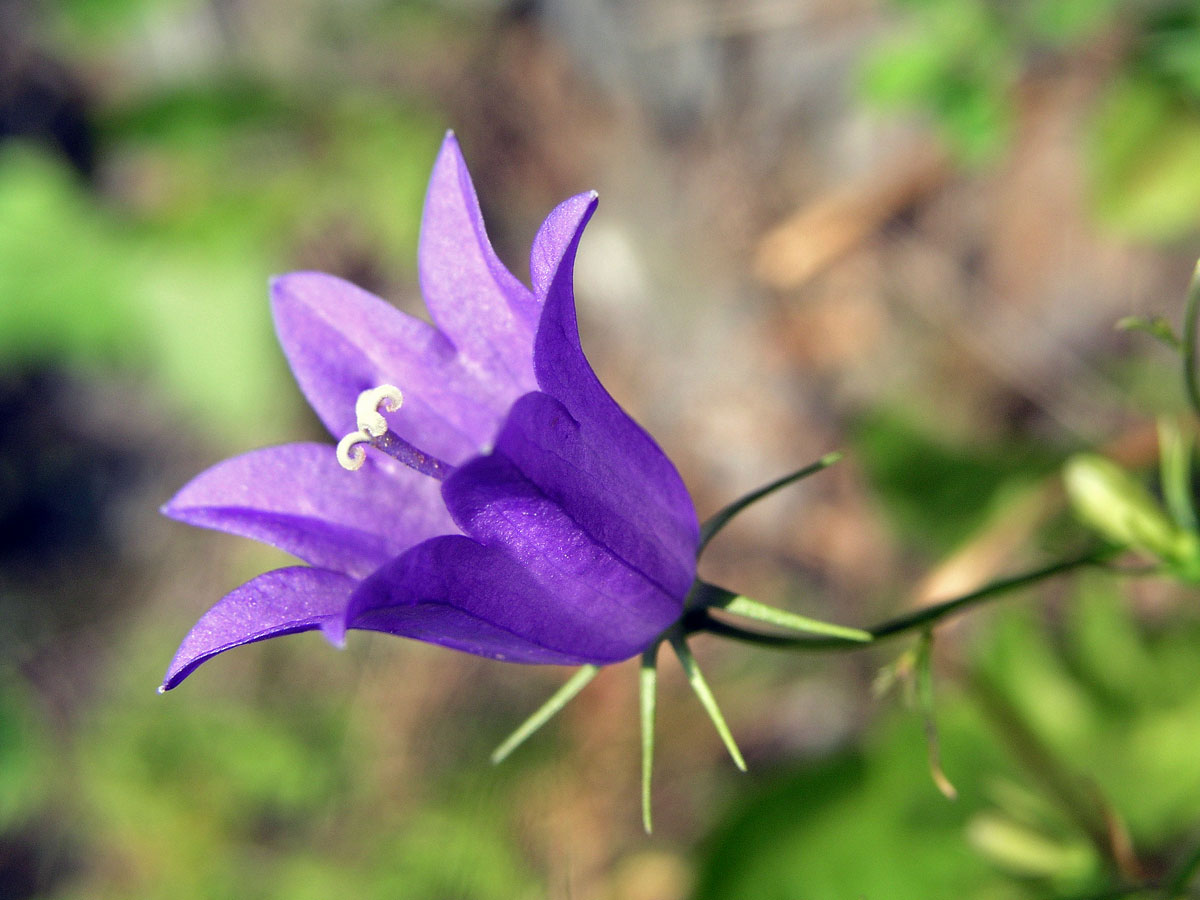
(341, 340)
(458, 593)
(296, 497)
(284, 601)
(622, 460)
(553, 501)
(557, 239)
(495, 327)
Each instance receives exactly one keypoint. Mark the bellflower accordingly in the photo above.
(503, 503)
(507, 506)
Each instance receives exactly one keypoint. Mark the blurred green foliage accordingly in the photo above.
(221, 179)
(225, 795)
(937, 494)
(25, 771)
(956, 61)
(867, 823)
(963, 62)
(1111, 700)
(171, 284)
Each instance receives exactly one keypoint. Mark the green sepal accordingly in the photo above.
(647, 695)
(752, 609)
(707, 700)
(545, 712)
(709, 596)
(722, 517)
(1111, 501)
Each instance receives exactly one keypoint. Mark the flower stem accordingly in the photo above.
(703, 620)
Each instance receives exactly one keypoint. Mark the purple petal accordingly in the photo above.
(556, 503)
(281, 602)
(621, 458)
(299, 499)
(473, 298)
(455, 592)
(557, 238)
(341, 340)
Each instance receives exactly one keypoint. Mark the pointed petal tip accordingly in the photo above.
(450, 150)
(174, 509)
(283, 287)
(276, 283)
(555, 242)
(176, 673)
(335, 632)
(282, 291)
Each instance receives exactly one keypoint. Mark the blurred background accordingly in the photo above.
(902, 228)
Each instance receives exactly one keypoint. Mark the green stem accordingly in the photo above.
(1189, 341)
(703, 620)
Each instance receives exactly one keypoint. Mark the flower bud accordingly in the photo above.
(1027, 851)
(1108, 499)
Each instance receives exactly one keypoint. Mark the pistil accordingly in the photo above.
(373, 430)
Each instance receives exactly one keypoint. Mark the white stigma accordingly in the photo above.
(371, 423)
(350, 450)
(366, 408)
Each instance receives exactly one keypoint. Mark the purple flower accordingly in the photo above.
(508, 508)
